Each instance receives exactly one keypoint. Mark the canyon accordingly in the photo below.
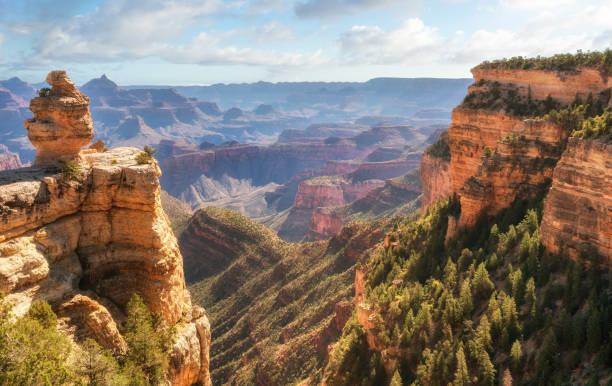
(87, 236)
(275, 306)
(8, 160)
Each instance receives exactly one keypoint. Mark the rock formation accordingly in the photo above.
(578, 208)
(498, 156)
(61, 125)
(436, 179)
(398, 196)
(87, 241)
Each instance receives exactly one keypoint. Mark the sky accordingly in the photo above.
(183, 42)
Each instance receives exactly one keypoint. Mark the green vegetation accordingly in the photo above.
(596, 127)
(33, 352)
(440, 148)
(561, 62)
(146, 157)
(274, 303)
(31, 349)
(71, 170)
(490, 304)
(44, 92)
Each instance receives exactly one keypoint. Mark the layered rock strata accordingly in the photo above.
(61, 114)
(436, 180)
(563, 86)
(578, 208)
(86, 241)
(497, 157)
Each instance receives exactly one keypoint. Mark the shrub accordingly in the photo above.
(146, 156)
(42, 312)
(44, 92)
(560, 62)
(114, 161)
(71, 169)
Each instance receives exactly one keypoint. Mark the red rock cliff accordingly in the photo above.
(578, 208)
(497, 157)
(436, 179)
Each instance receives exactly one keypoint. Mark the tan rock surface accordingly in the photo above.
(578, 208)
(89, 243)
(62, 124)
(560, 85)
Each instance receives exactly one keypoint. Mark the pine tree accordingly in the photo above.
(450, 274)
(594, 331)
(462, 377)
(487, 370)
(147, 342)
(530, 297)
(483, 286)
(465, 298)
(483, 333)
(516, 356)
(465, 259)
(96, 365)
(396, 380)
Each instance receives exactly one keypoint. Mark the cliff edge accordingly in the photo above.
(88, 237)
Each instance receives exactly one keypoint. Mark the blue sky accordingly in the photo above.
(213, 41)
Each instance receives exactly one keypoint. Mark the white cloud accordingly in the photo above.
(534, 4)
(334, 8)
(273, 32)
(376, 46)
(121, 29)
(207, 49)
(546, 33)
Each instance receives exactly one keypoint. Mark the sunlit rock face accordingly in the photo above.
(578, 208)
(87, 242)
(62, 124)
(498, 157)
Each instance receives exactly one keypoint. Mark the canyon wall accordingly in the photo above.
(578, 208)
(436, 179)
(560, 85)
(496, 156)
(87, 239)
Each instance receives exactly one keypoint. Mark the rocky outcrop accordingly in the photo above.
(578, 208)
(87, 241)
(560, 85)
(398, 196)
(497, 156)
(8, 160)
(62, 124)
(436, 179)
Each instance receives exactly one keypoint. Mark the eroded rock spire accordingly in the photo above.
(62, 124)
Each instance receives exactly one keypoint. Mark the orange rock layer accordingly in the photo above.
(578, 208)
(562, 86)
(436, 180)
(522, 155)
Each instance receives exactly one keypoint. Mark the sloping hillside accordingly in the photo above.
(274, 306)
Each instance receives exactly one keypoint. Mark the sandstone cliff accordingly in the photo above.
(435, 172)
(87, 239)
(578, 208)
(499, 155)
